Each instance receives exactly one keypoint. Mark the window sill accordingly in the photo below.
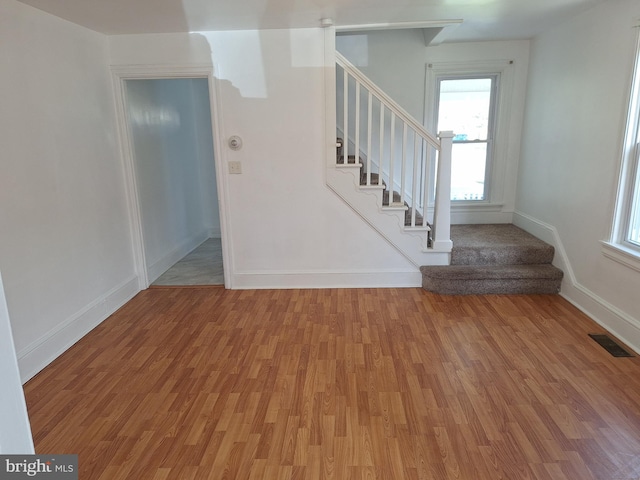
(478, 206)
(621, 254)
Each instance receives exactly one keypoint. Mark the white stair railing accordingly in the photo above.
(397, 152)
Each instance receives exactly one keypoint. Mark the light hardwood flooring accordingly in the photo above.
(202, 383)
(203, 266)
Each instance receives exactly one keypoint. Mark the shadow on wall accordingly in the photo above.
(270, 91)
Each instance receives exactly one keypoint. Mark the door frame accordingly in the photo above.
(120, 74)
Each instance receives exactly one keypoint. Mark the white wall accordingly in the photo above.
(15, 430)
(394, 60)
(580, 74)
(285, 227)
(65, 249)
(170, 128)
(397, 62)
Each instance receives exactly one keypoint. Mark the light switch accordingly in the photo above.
(235, 167)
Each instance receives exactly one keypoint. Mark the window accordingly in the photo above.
(485, 145)
(466, 106)
(626, 229)
(633, 231)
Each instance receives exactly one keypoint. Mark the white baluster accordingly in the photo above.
(357, 124)
(345, 146)
(392, 145)
(414, 186)
(403, 171)
(381, 162)
(425, 147)
(369, 125)
(429, 153)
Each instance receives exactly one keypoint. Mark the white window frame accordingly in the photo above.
(619, 248)
(492, 115)
(497, 168)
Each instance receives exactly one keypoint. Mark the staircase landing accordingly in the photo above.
(494, 259)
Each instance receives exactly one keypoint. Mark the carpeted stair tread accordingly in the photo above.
(502, 244)
(407, 213)
(475, 272)
(375, 178)
(407, 218)
(385, 197)
(350, 160)
(492, 279)
(494, 259)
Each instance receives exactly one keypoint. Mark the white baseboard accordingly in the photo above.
(172, 257)
(549, 234)
(619, 323)
(329, 279)
(40, 353)
(466, 217)
(608, 316)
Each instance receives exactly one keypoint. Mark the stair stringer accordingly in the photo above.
(388, 222)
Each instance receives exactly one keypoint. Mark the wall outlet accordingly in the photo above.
(235, 167)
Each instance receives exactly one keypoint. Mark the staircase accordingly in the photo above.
(386, 166)
(397, 176)
(494, 259)
(411, 219)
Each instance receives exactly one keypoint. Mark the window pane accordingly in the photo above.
(468, 166)
(464, 107)
(626, 231)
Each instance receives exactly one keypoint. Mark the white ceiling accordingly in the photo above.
(482, 19)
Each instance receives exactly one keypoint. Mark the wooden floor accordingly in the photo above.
(198, 383)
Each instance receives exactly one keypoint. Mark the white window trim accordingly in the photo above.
(495, 79)
(617, 248)
(498, 168)
(621, 254)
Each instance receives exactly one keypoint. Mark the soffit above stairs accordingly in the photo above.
(434, 32)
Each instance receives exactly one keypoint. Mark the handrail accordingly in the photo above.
(389, 102)
(405, 160)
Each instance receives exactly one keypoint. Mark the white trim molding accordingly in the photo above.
(121, 73)
(397, 25)
(503, 128)
(605, 314)
(15, 429)
(619, 247)
(481, 212)
(41, 352)
(625, 256)
(434, 31)
(327, 279)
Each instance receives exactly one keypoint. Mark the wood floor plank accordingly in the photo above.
(196, 383)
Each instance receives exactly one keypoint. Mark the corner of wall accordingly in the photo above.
(608, 316)
(38, 354)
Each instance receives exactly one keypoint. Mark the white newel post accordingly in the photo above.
(442, 207)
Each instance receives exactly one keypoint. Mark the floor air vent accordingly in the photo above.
(610, 345)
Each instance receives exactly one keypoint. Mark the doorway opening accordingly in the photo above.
(171, 146)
